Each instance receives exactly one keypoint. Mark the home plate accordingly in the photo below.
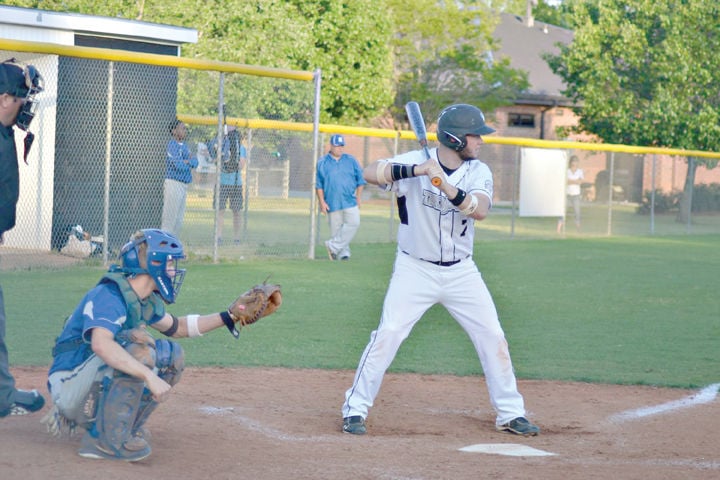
(511, 449)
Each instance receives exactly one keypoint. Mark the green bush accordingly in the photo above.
(664, 202)
(706, 198)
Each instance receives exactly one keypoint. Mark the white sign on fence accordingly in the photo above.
(542, 182)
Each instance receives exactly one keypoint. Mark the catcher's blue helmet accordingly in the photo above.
(162, 248)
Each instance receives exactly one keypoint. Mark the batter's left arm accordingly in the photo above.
(473, 205)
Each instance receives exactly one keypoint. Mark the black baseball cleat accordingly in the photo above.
(354, 425)
(26, 401)
(520, 426)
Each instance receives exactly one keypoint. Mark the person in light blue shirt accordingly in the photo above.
(179, 163)
(233, 156)
(339, 184)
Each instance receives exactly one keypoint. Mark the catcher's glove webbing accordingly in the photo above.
(258, 302)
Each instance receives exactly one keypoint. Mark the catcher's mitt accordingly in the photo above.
(258, 302)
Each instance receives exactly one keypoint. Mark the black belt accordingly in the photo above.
(442, 264)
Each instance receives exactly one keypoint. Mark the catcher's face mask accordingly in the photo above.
(32, 83)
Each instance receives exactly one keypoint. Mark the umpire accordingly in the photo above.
(18, 86)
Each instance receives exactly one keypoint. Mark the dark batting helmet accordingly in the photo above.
(457, 121)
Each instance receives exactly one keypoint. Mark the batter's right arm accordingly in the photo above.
(377, 173)
(384, 172)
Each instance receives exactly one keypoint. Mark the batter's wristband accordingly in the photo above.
(400, 171)
(459, 198)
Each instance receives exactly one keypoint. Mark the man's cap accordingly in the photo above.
(337, 141)
(12, 80)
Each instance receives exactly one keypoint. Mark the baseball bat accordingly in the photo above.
(418, 126)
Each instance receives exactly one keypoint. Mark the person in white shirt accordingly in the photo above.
(575, 176)
(434, 264)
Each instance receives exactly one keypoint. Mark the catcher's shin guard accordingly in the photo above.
(117, 410)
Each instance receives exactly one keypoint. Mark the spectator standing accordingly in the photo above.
(339, 185)
(573, 191)
(233, 157)
(178, 175)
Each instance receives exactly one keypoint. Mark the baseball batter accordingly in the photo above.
(434, 265)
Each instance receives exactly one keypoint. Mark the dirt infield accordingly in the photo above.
(268, 423)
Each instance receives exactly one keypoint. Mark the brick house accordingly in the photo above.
(539, 111)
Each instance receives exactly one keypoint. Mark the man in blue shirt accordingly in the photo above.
(339, 184)
(178, 175)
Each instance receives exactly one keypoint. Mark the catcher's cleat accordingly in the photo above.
(132, 451)
(354, 425)
(26, 401)
(138, 440)
(520, 426)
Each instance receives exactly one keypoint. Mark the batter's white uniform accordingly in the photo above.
(434, 265)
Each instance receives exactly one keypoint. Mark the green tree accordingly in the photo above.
(646, 73)
(558, 15)
(442, 56)
(347, 41)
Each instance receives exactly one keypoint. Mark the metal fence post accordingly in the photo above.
(611, 181)
(516, 179)
(218, 162)
(317, 77)
(108, 153)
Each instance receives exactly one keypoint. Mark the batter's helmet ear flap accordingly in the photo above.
(453, 141)
(457, 121)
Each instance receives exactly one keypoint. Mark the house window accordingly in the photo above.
(524, 120)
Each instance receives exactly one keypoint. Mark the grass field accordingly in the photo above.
(632, 310)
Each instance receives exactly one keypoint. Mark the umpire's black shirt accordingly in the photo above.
(9, 179)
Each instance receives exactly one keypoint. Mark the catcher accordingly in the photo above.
(108, 372)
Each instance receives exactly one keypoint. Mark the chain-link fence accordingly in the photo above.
(100, 162)
(622, 192)
(109, 158)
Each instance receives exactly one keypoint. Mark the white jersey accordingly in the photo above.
(422, 207)
(574, 188)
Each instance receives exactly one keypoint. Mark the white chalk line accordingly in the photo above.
(256, 426)
(706, 395)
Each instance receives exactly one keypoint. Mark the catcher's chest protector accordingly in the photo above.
(138, 311)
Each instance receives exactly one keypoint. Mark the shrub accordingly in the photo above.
(706, 198)
(664, 202)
